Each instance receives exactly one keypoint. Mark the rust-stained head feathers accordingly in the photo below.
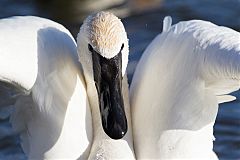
(106, 33)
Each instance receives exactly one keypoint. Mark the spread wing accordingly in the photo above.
(181, 77)
(39, 57)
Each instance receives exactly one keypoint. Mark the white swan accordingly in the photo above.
(103, 37)
(39, 57)
(182, 76)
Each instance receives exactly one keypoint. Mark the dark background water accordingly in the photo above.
(143, 21)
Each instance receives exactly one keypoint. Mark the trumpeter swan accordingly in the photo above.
(102, 36)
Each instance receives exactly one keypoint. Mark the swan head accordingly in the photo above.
(103, 52)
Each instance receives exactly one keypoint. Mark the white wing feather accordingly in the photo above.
(40, 56)
(220, 48)
(176, 87)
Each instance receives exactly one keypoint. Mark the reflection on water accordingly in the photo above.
(141, 28)
(227, 130)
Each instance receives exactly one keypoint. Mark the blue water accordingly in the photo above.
(141, 29)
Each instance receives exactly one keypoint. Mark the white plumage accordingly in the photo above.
(182, 76)
(175, 91)
(40, 56)
(53, 117)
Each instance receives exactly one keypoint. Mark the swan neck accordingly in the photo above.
(103, 146)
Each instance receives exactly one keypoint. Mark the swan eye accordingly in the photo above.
(122, 47)
(90, 48)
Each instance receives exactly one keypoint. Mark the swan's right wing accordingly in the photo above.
(39, 56)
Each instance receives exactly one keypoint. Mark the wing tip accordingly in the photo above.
(167, 23)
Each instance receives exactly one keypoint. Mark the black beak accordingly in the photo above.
(108, 81)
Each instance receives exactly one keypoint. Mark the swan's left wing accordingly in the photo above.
(180, 79)
(219, 48)
(215, 53)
